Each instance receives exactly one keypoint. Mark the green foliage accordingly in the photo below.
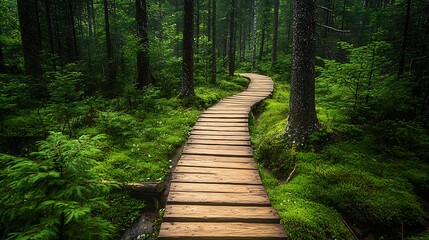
(123, 211)
(116, 124)
(355, 82)
(58, 187)
(424, 236)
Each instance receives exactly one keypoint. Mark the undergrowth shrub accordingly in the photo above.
(59, 187)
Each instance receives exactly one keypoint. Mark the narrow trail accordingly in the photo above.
(216, 191)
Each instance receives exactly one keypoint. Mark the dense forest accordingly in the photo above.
(99, 95)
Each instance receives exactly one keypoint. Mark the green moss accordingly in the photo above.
(345, 172)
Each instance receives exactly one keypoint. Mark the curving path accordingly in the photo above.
(216, 191)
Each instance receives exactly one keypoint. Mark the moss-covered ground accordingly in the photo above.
(348, 181)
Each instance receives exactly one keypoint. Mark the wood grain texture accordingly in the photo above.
(218, 199)
(211, 231)
(213, 164)
(216, 188)
(192, 213)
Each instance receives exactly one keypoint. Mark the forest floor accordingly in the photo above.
(347, 182)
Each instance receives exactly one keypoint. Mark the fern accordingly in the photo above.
(58, 187)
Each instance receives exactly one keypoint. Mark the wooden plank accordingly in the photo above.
(231, 231)
(230, 108)
(217, 152)
(218, 111)
(202, 213)
(219, 142)
(217, 158)
(212, 178)
(224, 120)
(234, 104)
(218, 199)
(221, 124)
(216, 171)
(226, 115)
(214, 164)
(218, 147)
(223, 128)
(219, 133)
(213, 187)
(216, 137)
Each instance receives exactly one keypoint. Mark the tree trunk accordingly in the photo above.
(197, 27)
(213, 46)
(90, 34)
(57, 35)
(111, 68)
(302, 119)
(404, 40)
(2, 66)
(188, 51)
(143, 70)
(232, 38)
(209, 20)
(30, 39)
(275, 33)
(50, 33)
(289, 29)
(255, 18)
(343, 17)
(261, 48)
(70, 46)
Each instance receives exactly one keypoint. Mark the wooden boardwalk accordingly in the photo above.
(216, 191)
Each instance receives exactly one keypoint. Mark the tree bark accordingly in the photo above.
(404, 40)
(143, 68)
(255, 19)
(188, 51)
(232, 38)
(50, 33)
(197, 27)
(261, 48)
(30, 39)
(2, 66)
(275, 33)
(111, 68)
(70, 46)
(213, 46)
(302, 119)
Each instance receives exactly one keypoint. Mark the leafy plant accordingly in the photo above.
(58, 187)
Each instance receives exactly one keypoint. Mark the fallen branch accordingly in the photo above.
(291, 173)
(144, 188)
(349, 228)
(324, 8)
(332, 28)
